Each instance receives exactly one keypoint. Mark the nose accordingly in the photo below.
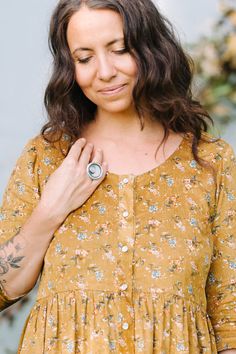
(106, 69)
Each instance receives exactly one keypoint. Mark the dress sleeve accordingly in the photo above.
(221, 283)
(20, 198)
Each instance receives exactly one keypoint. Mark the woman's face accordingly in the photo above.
(105, 72)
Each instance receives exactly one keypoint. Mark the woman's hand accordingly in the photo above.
(70, 186)
(228, 351)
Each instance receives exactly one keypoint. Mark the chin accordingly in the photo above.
(116, 107)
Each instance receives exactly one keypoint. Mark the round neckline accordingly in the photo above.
(154, 169)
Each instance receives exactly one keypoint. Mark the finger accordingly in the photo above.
(98, 156)
(76, 149)
(85, 155)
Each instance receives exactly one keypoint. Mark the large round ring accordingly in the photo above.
(94, 170)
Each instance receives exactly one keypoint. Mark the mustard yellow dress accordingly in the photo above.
(146, 265)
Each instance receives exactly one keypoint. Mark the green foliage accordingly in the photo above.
(215, 66)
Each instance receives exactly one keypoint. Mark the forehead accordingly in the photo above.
(93, 25)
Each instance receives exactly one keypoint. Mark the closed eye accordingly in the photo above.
(83, 61)
(86, 60)
(121, 51)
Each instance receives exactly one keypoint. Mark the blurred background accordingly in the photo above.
(207, 31)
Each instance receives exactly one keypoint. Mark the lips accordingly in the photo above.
(112, 88)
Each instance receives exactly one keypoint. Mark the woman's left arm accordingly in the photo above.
(221, 283)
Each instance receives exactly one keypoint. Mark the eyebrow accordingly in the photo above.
(108, 44)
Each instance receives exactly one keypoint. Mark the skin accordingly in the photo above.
(96, 43)
(106, 62)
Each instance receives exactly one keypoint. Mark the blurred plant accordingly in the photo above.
(215, 66)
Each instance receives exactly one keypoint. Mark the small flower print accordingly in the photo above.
(47, 161)
(102, 210)
(99, 275)
(81, 236)
(112, 345)
(230, 197)
(21, 188)
(232, 265)
(180, 347)
(190, 289)
(172, 242)
(170, 181)
(70, 347)
(211, 278)
(152, 208)
(193, 164)
(156, 274)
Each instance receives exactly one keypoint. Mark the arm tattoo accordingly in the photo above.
(8, 258)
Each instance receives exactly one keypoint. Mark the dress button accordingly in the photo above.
(123, 286)
(125, 214)
(125, 325)
(124, 249)
(125, 180)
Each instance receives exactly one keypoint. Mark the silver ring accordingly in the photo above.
(94, 170)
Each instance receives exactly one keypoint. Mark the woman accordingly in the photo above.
(131, 230)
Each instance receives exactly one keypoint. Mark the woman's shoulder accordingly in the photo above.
(42, 145)
(216, 148)
(217, 151)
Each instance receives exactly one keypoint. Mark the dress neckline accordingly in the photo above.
(154, 169)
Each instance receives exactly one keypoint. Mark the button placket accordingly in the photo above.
(125, 235)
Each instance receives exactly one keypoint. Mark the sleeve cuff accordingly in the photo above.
(5, 300)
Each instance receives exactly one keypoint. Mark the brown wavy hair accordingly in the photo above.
(165, 72)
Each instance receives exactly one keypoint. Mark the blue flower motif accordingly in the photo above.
(70, 347)
(140, 344)
(99, 275)
(232, 265)
(58, 248)
(193, 222)
(180, 347)
(2, 216)
(231, 197)
(211, 278)
(81, 236)
(172, 242)
(156, 274)
(152, 208)
(193, 164)
(47, 161)
(112, 345)
(190, 289)
(102, 209)
(21, 188)
(170, 181)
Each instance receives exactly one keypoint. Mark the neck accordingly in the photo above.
(124, 126)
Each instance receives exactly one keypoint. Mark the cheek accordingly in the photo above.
(132, 69)
(83, 78)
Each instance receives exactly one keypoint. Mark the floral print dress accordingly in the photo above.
(146, 265)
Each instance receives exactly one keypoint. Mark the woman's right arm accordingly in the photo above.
(22, 254)
(21, 257)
